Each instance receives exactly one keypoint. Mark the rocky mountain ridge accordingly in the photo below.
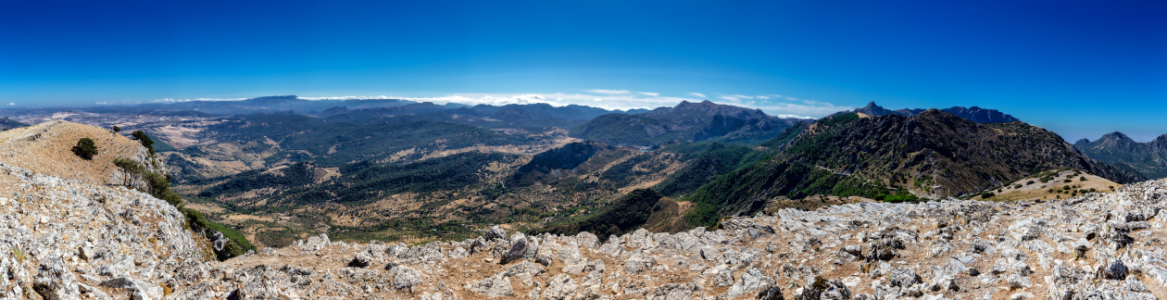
(1149, 159)
(975, 114)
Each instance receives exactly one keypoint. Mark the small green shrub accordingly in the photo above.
(1029, 183)
(236, 247)
(1083, 178)
(117, 129)
(1018, 186)
(85, 148)
(145, 140)
(987, 195)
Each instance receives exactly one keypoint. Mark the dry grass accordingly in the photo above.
(46, 148)
(1038, 190)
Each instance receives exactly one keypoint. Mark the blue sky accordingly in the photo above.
(1080, 68)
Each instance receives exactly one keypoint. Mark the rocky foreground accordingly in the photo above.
(64, 239)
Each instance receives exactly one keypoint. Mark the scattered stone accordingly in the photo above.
(496, 286)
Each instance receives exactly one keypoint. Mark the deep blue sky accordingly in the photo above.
(1079, 68)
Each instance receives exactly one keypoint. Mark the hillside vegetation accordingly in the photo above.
(933, 154)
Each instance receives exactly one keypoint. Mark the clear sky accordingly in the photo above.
(1080, 68)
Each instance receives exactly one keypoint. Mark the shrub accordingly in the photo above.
(899, 198)
(117, 129)
(1018, 186)
(238, 245)
(145, 140)
(1068, 180)
(1030, 182)
(1083, 178)
(85, 148)
(987, 195)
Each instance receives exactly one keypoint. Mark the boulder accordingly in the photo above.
(54, 282)
(517, 249)
(495, 232)
(496, 286)
(560, 287)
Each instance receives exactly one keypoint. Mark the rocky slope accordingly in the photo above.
(1097, 246)
(1149, 159)
(61, 238)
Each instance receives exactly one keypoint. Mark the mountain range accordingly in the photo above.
(284, 168)
(975, 114)
(686, 122)
(1149, 159)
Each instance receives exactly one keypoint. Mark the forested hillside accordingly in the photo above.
(933, 154)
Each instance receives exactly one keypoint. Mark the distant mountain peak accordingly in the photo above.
(1116, 136)
(1149, 159)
